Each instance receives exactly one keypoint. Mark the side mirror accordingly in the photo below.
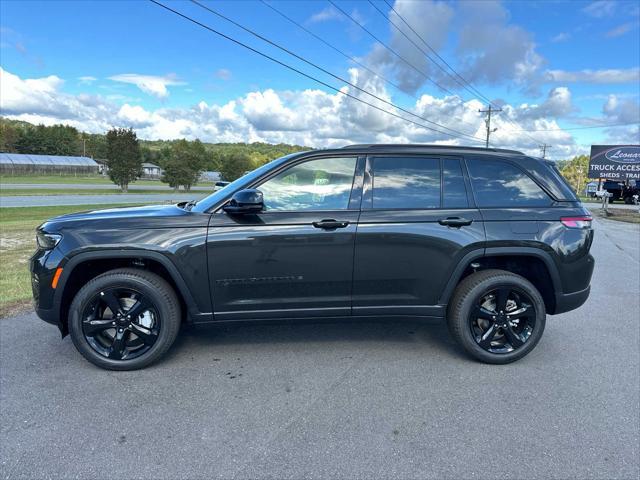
(245, 202)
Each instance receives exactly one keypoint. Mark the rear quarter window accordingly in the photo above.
(497, 183)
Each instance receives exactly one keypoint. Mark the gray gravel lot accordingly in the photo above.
(386, 399)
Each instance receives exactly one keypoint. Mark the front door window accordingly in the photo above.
(322, 184)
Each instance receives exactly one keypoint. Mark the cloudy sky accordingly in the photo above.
(553, 67)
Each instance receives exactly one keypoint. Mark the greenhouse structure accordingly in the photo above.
(19, 164)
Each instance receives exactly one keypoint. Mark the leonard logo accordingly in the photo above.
(623, 154)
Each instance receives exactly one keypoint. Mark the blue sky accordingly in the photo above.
(551, 64)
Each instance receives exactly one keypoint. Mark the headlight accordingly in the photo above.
(47, 241)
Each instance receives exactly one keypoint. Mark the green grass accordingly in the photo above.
(618, 214)
(17, 244)
(21, 192)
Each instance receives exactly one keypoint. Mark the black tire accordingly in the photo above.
(462, 322)
(154, 290)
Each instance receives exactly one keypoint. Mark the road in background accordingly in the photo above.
(387, 399)
(109, 198)
(96, 186)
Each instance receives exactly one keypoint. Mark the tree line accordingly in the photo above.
(576, 171)
(182, 161)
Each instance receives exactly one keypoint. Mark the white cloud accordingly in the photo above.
(308, 117)
(135, 116)
(621, 110)
(600, 8)
(561, 37)
(492, 49)
(87, 79)
(620, 30)
(628, 75)
(326, 14)
(435, 19)
(152, 85)
(557, 104)
(223, 74)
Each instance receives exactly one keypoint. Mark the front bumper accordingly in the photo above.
(50, 315)
(43, 265)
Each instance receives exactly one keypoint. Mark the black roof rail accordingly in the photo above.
(427, 146)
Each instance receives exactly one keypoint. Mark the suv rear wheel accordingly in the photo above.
(124, 319)
(496, 316)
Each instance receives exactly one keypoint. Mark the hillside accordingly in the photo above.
(22, 137)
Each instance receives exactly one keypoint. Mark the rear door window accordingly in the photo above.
(406, 182)
(501, 184)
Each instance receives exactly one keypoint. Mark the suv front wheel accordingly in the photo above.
(124, 319)
(496, 316)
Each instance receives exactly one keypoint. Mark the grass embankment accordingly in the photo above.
(619, 214)
(17, 244)
(69, 179)
(21, 192)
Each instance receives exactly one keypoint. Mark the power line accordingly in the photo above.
(477, 92)
(391, 49)
(560, 129)
(443, 60)
(421, 49)
(310, 77)
(346, 55)
(489, 111)
(410, 64)
(327, 72)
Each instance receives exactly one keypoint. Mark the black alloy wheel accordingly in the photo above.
(125, 319)
(503, 320)
(121, 323)
(497, 316)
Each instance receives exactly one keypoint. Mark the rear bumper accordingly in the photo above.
(566, 302)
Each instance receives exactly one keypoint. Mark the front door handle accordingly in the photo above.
(329, 224)
(455, 222)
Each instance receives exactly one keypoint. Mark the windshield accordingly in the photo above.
(207, 202)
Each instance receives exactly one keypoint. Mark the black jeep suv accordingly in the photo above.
(490, 240)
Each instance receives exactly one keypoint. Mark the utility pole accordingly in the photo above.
(487, 122)
(543, 149)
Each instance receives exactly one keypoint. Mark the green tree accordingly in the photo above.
(53, 140)
(96, 146)
(8, 137)
(184, 163)
(63, 140)
(233, 164)
(576, 171)
(123, 157)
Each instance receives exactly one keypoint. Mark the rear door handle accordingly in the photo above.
(329, 224)
(455, 222)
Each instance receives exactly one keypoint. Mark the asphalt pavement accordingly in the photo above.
(386, 399)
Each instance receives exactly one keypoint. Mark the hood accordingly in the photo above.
(122, 212)
(151, 216)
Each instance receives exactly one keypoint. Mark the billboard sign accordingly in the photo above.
(620, 162)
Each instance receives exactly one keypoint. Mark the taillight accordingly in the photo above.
(577, 222)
